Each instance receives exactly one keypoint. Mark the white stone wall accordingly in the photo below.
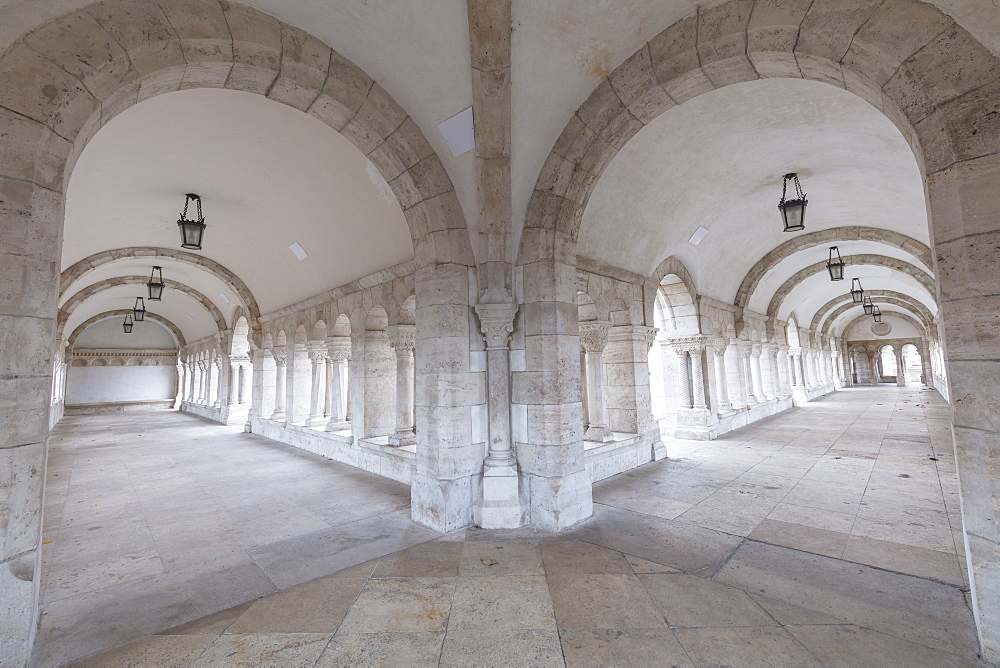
(114, 384)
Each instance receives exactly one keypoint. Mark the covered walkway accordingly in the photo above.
(829, 534)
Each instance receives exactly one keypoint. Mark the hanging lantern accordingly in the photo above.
(857, 292)
(155, 285)
(868, 306)
(793, 211)
(139, 310)
(128, 324)
(835, 267)
(877, 314)
(192, 231)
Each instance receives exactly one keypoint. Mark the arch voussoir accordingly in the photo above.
(120, 313)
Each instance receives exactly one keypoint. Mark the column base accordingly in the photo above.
(561, 501)
(278, 415)
(659, 450)
(402, 438)
(598, 434)
(338, 425)
(442, 505)
(315, 421)
(502, 505)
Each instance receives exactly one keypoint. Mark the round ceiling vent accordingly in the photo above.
(881, 328)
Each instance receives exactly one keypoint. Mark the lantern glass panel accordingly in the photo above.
(868, 306)
(139, 310)
(857, 292)
(155, 291)
(793, 214)
(127, 325)
(191, 233)
(836, 271)
(877, 314)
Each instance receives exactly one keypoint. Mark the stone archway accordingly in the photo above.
(63, 81)
(119, 313)
(932, 79)
(891, 296)
(88, 264)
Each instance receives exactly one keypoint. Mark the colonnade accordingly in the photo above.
(365, 387)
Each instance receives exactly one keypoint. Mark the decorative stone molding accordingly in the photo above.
(121, 357)
(496, 321)
(403, 339)
(339, 348)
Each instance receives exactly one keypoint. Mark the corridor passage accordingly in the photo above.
(827, 535)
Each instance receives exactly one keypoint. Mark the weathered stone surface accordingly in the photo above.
(256, 48)
(304, 63)
(202, 29)
(142, 29)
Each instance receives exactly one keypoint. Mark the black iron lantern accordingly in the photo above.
(155, 285)
(877, 314)
(857, 292)
(835, 267)
(128, 323)
(139, 310)
(868, 306)
(793, 211)
(192, 231)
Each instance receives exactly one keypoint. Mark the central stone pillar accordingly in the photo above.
(339, 351)
(593, 339)
(317, 355)
(280, 378)
(629, 405)
(403, 340)
(501, 504)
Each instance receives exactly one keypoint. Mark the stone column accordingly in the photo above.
(746, 349)
(684, 399)
(501, 505)
(234, 382)
(403, 340)
(594, 338)
(256, 388)
(697, 354)
(900, 369)
(317, 356)
(734, 376)
(245, 381)
(926, 375)
(755, 373)
(378, 386)
(280, 378)
(781, 360)
(771, 385)
(220, 381)
(626, 383)
(721, 382)
(181, 384)
(585, 402)
(339, 351)
(800, 374)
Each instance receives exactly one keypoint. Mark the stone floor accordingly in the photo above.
(829, 534)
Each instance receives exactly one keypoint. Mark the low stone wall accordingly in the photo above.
(735, 420)
(372, 455)
(626, 452)
(118, 407)
(210, 412)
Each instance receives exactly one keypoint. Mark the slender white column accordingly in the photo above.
(755, 373)
(771, 387)
(746, 348)
(280, 378)
(220, 382)
(339, 351)
(317, 356)
(501, 504)
(697, 377)
(403, 340)
(721, 381)
(900, 371)
(234, 383)
(594, 338)
(684, 398)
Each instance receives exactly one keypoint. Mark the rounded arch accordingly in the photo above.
(121, 313)
(782, 292)
(890, 296)
(78, 298)
(822, 238)
(78, 270)
(125, 52)
(239, 342)
(899, 314)
(676, 287)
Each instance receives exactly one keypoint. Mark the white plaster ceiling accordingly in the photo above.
(812, 293)
(268, 176)
(789, 266)
(108, 333)
(861, 330)
(718, 160)
(177, 309)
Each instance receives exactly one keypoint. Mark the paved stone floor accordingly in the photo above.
(829, 534)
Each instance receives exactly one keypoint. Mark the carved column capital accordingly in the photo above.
(594, 335)
(496, 322)
(403, 339)
(338, 348)
(280, 355)
(755, 350)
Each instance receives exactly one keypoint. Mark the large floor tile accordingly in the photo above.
(628, 647)
(603, 602)
(404, 604)
(382, 649)
(527, 647)
(754, 646)
(687, 600)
